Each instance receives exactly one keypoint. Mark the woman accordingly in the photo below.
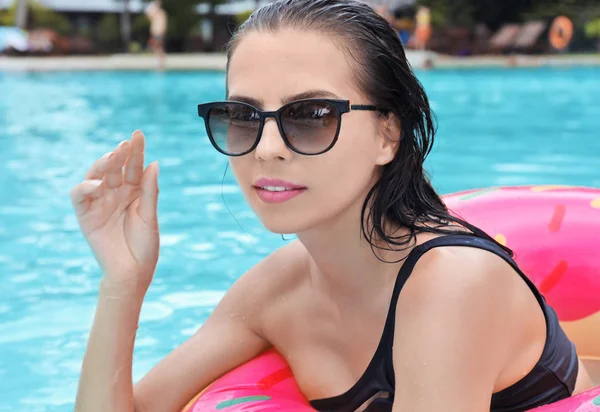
(386, 302)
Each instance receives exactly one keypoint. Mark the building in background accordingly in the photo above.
(103, 26)
(101, 21)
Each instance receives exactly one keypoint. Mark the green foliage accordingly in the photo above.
(140, 28)
(592, 28)
(450, 12)
(44, 17)
(495, 13)
(548, 9)
(183, 17)
(109, 31)
(6, 18)
(240, 18)
(40, 17)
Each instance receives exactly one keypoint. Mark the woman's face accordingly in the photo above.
(273, 68)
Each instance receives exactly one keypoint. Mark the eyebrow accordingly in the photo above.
(309, 94)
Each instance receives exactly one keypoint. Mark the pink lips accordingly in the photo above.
(276, 190)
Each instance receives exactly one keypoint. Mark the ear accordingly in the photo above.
(389, 138)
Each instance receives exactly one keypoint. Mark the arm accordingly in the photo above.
(455, 331)
(227, 339)
(105, 381)
(230, 337)
(116, 208)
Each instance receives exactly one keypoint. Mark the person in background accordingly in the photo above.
(158, 29)
(423, 30)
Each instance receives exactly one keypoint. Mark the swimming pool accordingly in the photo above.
(496, 127)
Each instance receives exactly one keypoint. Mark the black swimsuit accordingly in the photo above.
(552, 379)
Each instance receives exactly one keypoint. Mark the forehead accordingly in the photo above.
(268, 66)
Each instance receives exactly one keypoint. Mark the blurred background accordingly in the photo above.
(515, 85)
(459, 27)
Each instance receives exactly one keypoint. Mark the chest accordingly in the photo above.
(328, 348)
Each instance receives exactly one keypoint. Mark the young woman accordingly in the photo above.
(386, 302)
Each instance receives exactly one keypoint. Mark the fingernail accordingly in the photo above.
(94, 184)
(106, 155)
(157, 169)
(122, 144)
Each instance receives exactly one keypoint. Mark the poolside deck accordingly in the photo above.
(217, 62)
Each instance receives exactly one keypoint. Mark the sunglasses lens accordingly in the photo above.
(311, 127)
(233, 127)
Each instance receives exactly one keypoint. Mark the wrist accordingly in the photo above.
(119, 287)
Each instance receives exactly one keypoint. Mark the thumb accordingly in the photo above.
(148, 203)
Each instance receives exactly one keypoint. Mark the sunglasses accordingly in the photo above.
(308, 127)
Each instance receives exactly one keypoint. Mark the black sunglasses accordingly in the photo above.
(308, 127)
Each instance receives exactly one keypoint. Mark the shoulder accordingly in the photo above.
(276, 276)
(277, 273)
(445, 274)
(459, 320)
(463, 300)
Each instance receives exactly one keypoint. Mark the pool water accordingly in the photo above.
(496, 127)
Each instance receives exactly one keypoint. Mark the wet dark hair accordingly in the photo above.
(403, 195)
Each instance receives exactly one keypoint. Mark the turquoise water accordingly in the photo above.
(497, 127)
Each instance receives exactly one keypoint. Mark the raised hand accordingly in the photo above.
(116, 206)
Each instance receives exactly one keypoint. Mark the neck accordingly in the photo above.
(343, 263)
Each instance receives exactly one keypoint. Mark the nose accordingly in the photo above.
(271, 145)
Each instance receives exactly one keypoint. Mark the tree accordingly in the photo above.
(449, 12)
(30, 13)
(495, 13)
(108, 32)
(592, 30)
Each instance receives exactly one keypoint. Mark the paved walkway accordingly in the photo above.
(217, 62)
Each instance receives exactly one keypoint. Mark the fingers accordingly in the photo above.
(84, 193)
(148, 203)
(125, 163)
(99, 168)
(113, 176)
(96, 171)
(134, 168)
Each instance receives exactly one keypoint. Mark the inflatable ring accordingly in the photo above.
(561, 33)
(555, 234)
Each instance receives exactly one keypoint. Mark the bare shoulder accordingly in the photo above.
(232, 335)
(456, 271)
(277, 273)
(465, 290)
(276, 276)
(467, 315)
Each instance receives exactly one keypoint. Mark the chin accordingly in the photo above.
(297, 215)
(286, 223)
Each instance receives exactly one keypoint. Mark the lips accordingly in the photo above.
(277, 183)
(277, 190)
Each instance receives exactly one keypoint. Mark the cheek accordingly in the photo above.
(344, 175)
(241, 167)
(338, 181)
(349, 173)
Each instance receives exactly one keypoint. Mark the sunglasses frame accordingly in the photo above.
(341, 107)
